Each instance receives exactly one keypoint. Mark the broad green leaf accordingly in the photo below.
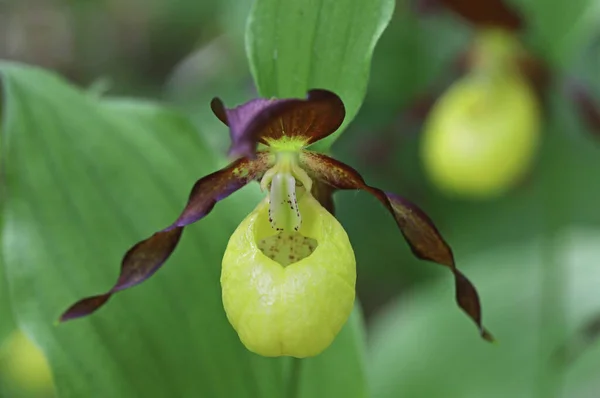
(420, 346)
(6, 318)
(88, 178)
(560, 29)
(294, 46)
(6, 321)
(339, 371)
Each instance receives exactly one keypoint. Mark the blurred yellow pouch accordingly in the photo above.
(24, 366)
(482, 134)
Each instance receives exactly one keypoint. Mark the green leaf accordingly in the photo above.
(88, 178)
(339, 371)
(421, 346)
(6, 319)
(294, 46)
(560, 29)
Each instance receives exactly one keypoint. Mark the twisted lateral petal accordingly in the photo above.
(147, 256)
(209, 190)
(299, 121)
(417, 228)
(139, 263)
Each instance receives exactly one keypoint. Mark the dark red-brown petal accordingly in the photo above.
(219, 185)
(498, 13)
(324, 194)
(267, 120)
(139, 263)
(587, 106)
(417, 228)
(147, 256)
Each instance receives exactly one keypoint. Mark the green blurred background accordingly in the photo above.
(533, 252)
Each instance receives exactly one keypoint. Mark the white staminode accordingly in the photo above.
(281, 180)
(283, 204)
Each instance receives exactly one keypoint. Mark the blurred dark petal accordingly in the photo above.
(538, 74)
(578, 343)
(478, 12)
(419, 109)
(586, 105)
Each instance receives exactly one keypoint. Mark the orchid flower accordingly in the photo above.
(288, 273)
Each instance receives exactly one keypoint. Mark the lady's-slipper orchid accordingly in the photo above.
(482, 134)
(288, 273)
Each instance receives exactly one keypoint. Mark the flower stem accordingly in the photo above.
(555, 191)
(293, 390)
(552, 317)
